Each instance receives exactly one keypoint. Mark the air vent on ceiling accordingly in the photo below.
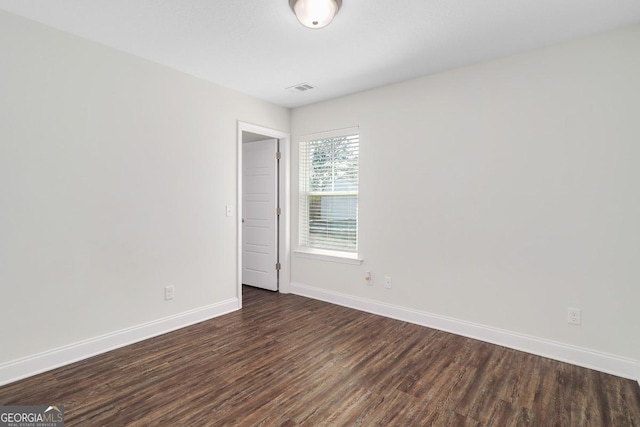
(302, 87)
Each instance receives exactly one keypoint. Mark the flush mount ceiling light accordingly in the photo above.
(315, 13)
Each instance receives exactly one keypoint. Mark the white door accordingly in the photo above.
(259, 219)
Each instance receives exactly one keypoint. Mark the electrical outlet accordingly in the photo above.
(574, 316)
(387, 282)
(367, 278)
(168, 293)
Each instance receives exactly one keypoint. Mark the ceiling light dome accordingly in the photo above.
(315, 13)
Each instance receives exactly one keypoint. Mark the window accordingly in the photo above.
(329, 192)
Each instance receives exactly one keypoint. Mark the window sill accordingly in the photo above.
(333, 256)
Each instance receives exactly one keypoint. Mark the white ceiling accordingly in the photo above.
(259, 48)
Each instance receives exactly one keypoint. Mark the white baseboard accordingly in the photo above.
(619, 366)
(42, 362)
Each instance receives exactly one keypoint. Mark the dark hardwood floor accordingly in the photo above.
(285, 360)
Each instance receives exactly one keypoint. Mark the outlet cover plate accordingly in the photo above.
(574, 316)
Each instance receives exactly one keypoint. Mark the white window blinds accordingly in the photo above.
(329, 192)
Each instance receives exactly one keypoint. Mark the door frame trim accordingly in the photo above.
(285, 204)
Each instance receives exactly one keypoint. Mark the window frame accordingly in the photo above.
(305, 248)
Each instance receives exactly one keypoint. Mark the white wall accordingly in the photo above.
(500, 194)
(114, 176)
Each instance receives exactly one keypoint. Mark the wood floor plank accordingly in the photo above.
(285, 360)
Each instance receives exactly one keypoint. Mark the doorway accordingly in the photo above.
(263, 208)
